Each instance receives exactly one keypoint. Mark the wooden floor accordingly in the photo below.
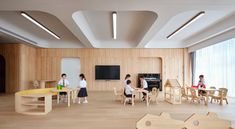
(102, 113)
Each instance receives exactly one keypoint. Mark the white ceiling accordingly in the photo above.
(141, 24)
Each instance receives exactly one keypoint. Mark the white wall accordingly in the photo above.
(71, 66)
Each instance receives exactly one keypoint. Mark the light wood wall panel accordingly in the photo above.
(25, 64)
(130, 60)
(20, 66)
(11, 54)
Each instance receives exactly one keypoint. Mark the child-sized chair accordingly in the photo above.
(153, 95)
(119, 95)
(221, 96)
(127, 99)
(195, 97)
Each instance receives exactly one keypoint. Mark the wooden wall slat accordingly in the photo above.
(26, 63)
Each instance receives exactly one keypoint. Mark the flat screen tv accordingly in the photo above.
(107, 72)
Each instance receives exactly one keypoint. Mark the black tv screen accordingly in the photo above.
(107, 72)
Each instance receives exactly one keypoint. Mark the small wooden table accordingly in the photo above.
(207, 93)
(136, 91)
(70, 92)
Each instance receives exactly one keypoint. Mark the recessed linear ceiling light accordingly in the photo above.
(114, 25)
(196, 17)
(39, 24)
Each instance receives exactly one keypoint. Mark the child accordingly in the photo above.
(201, 84)
(144, 85)
(82, 92)
(128, 76)
(128, 89)
(64, 83)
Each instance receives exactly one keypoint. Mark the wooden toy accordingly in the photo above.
(172, 91)
(164, 121)
(209, 121)
(195, 121)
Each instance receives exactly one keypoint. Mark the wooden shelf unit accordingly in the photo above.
(33, 104)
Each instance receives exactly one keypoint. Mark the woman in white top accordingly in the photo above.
(82, 92)
(64, 83)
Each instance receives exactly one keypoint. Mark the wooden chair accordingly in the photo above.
(153, 95)
(211, 93)
(118, 95)
(183, 92)
(221, 96)
(127, 99)
(195, 97)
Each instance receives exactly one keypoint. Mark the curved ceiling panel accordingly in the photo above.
(16, 25)
(131, 27)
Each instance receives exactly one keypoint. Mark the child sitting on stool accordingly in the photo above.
(64, 83)
(128, 90)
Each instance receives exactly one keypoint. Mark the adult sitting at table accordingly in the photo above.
(64, 83)
(201, 84)
(144, 86)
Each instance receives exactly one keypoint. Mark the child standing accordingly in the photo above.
(64, 83)
(82, 92)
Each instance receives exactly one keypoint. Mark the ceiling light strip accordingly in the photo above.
(39, 24)
(196, 17)
(114, 25)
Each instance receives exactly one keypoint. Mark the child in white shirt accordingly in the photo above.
(144, 85)
(128, 89)
(64, 83)
(83, 91)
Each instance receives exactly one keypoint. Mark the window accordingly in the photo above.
(217, 64)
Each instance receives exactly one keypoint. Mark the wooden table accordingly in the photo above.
(42, 83)
(136, 91)
(70, 92)
(207, 94)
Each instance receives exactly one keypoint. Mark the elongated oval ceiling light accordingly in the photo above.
(196, 17)
(114, 25)
(39, 24)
